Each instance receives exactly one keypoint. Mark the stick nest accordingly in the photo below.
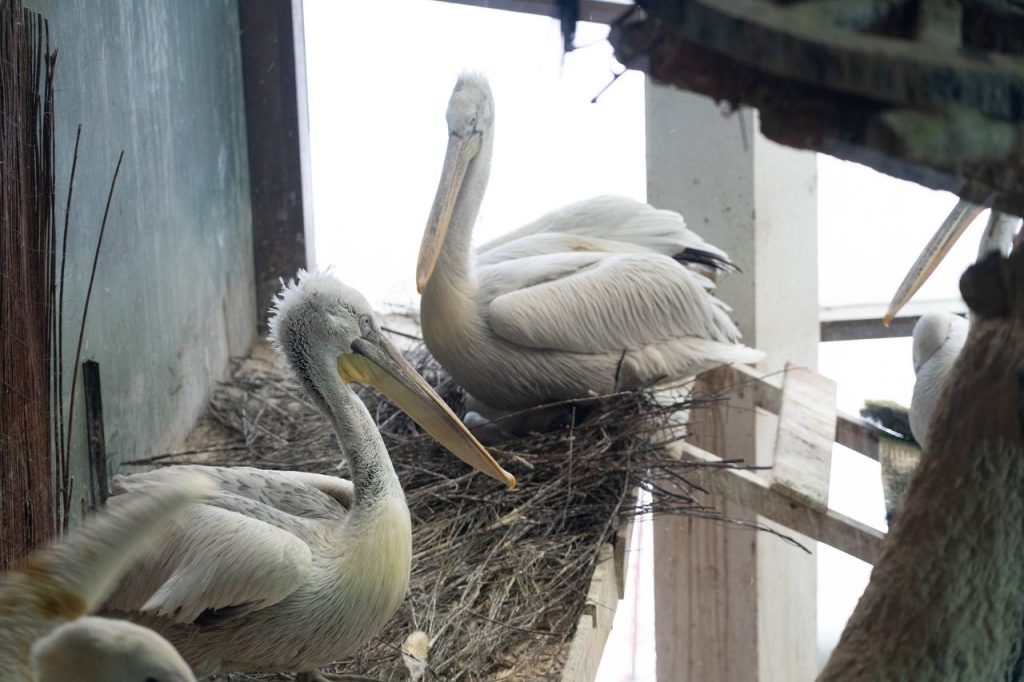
(499, 578)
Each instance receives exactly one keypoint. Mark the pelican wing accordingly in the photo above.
(244, 549)
(299, 493)
(600, 302)
(606, 223)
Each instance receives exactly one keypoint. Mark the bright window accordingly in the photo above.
(378, 134)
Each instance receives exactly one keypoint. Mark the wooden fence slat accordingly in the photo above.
(803, 445)
(753, 492)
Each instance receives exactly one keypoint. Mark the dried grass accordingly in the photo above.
(499, 578)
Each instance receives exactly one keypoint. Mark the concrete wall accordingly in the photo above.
(173, 299)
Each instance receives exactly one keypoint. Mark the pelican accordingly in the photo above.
(285, 570)
(598, 296)
(45, 634)
(946, 599)
(938, 337)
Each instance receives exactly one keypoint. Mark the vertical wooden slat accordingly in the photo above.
(803, 444)
(709, 631)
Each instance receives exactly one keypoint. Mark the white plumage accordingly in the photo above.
(45, 634)
(597, 296)
(938, 338)
(946, 599)
(285, 570)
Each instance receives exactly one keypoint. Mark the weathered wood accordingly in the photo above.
(596, 622)
(621, 544)
(705, 574)
(752, 491)
(802, 461)
(851, 431)
(97, 442)
(824, 76)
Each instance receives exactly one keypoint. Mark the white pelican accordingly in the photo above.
(45, 635)
(938, 337)
(289, 571)
(946, 598)
(589, 299)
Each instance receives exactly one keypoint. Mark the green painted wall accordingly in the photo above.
(173, 300)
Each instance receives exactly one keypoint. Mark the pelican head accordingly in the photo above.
(322, 326)
(470, 119)
(932, 332)
(103, 650)
(998, 236)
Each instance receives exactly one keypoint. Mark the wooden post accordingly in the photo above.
(732, 604)
(98, 471)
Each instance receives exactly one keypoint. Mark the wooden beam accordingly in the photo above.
(802, 461)
(705, 574)
(851, 431)
(753, 492)
(594, 11)
(596, 622)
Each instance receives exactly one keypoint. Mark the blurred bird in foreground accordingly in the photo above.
(45, 632)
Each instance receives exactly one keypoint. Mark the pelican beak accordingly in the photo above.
(962, 215)
(461, 150)
(378, 364)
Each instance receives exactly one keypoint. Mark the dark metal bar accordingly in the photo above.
(594, 11)
(852, 330)
(275, 91)
(98, 472)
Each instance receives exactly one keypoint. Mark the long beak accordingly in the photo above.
(461, 151)
(962, 215)
(378, 364)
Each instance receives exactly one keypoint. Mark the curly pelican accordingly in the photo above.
(946, 598)
(45, 634)
(938, 337)
(601, 295)
(289, 571)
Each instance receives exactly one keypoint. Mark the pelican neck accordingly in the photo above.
(454, 263)
(373, 475)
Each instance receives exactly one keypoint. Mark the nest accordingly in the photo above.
(499, 578)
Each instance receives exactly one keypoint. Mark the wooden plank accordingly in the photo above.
(622, 542)
(596, 622)
(850, 430)
(753, 492)
(761, 393)
(705, 575)
(803, 443)
(853, 433)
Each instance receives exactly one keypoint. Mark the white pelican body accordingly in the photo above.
(938, 338)
(289, 571)
(584, 301)
(45, 635)
(946, 598)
